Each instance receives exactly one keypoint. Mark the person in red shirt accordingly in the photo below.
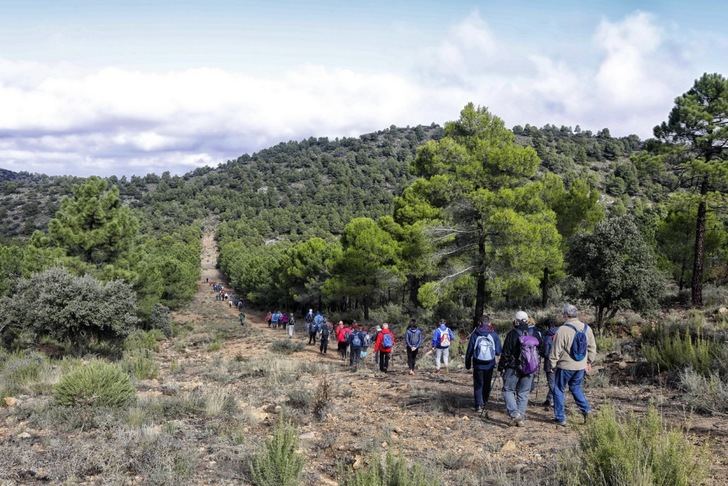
(384, 345)
(341, 339)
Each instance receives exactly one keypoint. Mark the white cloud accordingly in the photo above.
(64, 119)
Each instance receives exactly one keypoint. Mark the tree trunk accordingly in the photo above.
(696, 287)
(599, 317)
(413, 283)
(480, 279)
(545, 288)
(681, 281)
(365, 304)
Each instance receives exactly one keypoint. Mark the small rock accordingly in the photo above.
(466, 418)
(278, 409)
(384, 445)
(308, 436)
(723, 311)
(622, 365)
(10, 401)
(24, 435)
(509, 446)
(358, 463)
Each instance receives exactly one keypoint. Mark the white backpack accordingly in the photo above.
(484, 348)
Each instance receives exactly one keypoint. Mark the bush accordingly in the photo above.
(79, 310)
(140, 365)
(704, 393)
(143, 340)
(95, 384)
(634, 450)
(300, 398)
(159, 319)
(278, 463)
(676, 351)
(285, 346)
(322, 399)
(393, 471)
(19, 370)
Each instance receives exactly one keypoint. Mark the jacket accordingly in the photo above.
(436, 336)
(511, 356)
(340, 336)
(560, 352)
(548, 344)
(378, 343)
(359, 334)
(413, 337)
(470, 360)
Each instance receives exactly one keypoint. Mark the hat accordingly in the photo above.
(521, 316)
(379, 328)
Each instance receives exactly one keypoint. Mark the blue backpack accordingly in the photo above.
(579, 344)
(387, 341)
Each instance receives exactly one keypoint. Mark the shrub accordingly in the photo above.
(634, 450)
(79, 310)
(285, 346)
(676, 351)
(140, 365)
(19, 370)
(143, 340)
(96, 384)
(278, 463)
(322, 399)
(219, 401)
(392, 471)
(704, 393)
(300, 398)
(159, 319)
(607, 343)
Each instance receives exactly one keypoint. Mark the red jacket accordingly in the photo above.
(341, 334)
(378, 343)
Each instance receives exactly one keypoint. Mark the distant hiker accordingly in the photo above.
(375, 336)
(346, 330)
(519, 364)
(442, 337)
(367, 342)
(574, 350)
(291, 325)
(241, 316)
(207, 279)
(269, 318)
(384, 345)
(275, 319)
(548, 345)
(356, 342)
(230, 303)
(413, 339)
(314, 327)
(341, 340)
(309, 317)
(283, 322)
(240, 304)
(325, 333)
(483, 347)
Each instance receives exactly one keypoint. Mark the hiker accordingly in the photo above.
(346, 330)
(374, 337)
(269, 318)
(341, 340)
(308, 318)
(519, 364)
(483, 347)
(241, 316)
(325, 332)
(283, 322)
(365, 346)
(413, 339)
(240, 304)
(442, 336)
(291, 325)
(574, 350)
(356, 341)
(275, 318)
(314, 326)
(207, 279)
(384, 345)
(548, 344)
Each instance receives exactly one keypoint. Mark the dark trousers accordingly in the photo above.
(383, 361)
(324, 345)
(550, 381)
(342, 350)
(311, 338)
(482, 381)
(411, 358)
(354, 357)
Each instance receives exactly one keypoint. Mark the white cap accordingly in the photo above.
(521, 316)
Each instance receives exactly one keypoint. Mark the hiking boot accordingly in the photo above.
(546, 405)
(520, 421)
(479, 410)
(513, 422)
(560, 423)
(585, 416)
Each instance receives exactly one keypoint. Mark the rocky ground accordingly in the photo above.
(221, 387)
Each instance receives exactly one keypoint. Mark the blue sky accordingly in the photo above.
(130, 87)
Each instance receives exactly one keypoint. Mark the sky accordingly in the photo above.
(132, 87)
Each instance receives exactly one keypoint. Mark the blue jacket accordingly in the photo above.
(413, 337)
(439, 332)
(470, 360)
(361, 339)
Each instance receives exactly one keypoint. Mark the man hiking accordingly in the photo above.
(574, 350)
(483, 347)
(374, 336)
(314, 327)
(308, 319)
(442, 337)
(356, 343)
(291, 325)
(341, 340)
(413, 339)
(384, 345)
(519, 364)
(548, 344)
(325, 333)
(275, 318)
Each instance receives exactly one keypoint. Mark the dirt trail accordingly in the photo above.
(427, 417)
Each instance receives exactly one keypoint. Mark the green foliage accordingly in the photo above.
(96, 384)
(79, 310)
(18, 370)
(140, 364)
(278, 463)
(253, 270)
(617, 266)
(674, 351)
(634, 450)
(305, 267)
(707, 394)
(393, 471)
(143, 340)
(93, 224)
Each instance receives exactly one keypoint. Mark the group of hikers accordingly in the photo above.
(564, 352)
(226, 295)
(283, 320)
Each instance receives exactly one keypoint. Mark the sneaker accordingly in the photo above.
(520, 422)
(479, 410)
(560, 423)
(411, 372)
(585, 415)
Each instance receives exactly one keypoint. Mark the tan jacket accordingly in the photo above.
(560, 357)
